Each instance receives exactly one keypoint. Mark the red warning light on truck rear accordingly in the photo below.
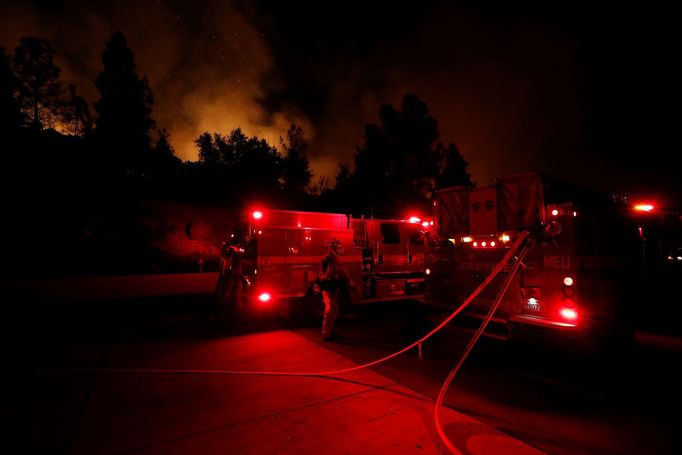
(644, 207)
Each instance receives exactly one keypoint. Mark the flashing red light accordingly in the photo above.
(555, 212)
(483, 244)
(492, 243)
(644, 208)
(264, 297)
(415, 219)
(425, 224)
(467, 239)
(257, 215)
(475, 243)
(569, 314)
(428, 271)
(568, 281)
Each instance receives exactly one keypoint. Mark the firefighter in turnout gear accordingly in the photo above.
(230, 285)
(333, 279)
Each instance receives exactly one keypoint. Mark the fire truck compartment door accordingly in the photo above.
(483, 211)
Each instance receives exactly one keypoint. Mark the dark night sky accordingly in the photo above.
(577, 91)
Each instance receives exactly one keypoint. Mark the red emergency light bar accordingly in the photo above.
(644, 207)
(487, 241)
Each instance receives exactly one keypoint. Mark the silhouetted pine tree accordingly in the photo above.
(41, 95)
(75, 114)
(453, 171)
(296, 168)
(208, 154)
(11, 117)
(124, 110)
(401, 161)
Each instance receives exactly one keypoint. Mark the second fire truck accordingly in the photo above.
(581, 279)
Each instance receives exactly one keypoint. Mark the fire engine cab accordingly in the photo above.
(384, 258)
(580, 278)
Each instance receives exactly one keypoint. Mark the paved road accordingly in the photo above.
(552, 402)
(545, 397)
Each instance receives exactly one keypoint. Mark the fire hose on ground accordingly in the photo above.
(517, 251)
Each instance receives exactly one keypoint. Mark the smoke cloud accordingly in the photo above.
(205, 61)
(517, 87)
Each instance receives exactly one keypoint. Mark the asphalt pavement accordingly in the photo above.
(66, 398)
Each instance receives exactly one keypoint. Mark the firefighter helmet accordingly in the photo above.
(335, 245)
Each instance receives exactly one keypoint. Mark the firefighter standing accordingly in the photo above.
(333, 279)
(229, 285)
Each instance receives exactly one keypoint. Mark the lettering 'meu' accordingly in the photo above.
(557, 262)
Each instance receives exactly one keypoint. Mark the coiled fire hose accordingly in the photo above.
(496, 270)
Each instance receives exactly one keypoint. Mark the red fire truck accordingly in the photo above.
(385, 258)
(581, 279)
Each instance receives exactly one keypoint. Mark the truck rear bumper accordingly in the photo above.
(522, 319)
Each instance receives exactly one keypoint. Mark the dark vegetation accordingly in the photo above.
(104, 193)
